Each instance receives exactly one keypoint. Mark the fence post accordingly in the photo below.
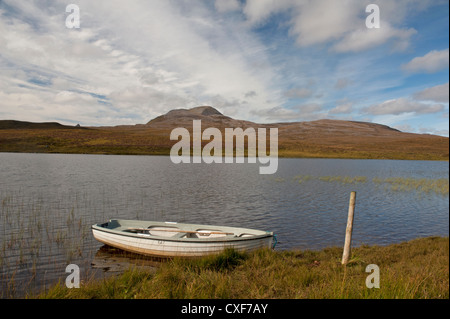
(348, 231)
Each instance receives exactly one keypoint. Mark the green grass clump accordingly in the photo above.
(344, 179)
(425, 185)
(438, 186)
(303, 178)
(412, 270)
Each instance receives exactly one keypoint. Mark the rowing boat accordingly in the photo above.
(170, 239)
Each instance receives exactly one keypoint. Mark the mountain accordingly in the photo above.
(211, 117)
(323, 138)
(208, 115)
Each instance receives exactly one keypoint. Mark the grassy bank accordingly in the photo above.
(414, 269)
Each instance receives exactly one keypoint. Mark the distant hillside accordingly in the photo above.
(212, 117)
(12, 124)
(315, 139)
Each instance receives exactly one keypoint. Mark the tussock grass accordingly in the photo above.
(344, 179)
(438, 186)
(410, 270)
(426, 185)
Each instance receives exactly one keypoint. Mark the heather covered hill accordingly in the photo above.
(323, 138)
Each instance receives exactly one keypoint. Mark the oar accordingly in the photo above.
(185, 231)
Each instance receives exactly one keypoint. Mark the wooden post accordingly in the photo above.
(348, 231)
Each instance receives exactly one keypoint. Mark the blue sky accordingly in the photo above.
(259, 60)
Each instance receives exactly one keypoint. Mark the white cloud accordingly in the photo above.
(364, 38)
(403, 105)
(340, 23)
(277, 113)
(438, 93)
(404, 128)
(144, 58)
(316, 22)
(299, 93)
(431, 62)
(309, 108)
(432, 130)
(343, 108)
(227, 5)
(257, 11)
(302, 112)
(421, 130)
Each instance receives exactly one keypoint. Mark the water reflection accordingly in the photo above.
(112, 260)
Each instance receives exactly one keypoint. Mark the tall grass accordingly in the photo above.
(425, 185)
(42, 231)
(35, 238)
(410, 270)
(438, 186)
(344, 179)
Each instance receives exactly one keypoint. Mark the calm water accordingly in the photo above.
(49, 201)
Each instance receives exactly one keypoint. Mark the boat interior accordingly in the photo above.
(175, 230)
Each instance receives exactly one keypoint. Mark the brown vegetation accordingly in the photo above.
(323, 138)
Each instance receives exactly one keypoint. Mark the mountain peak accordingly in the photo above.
(197, 113)
(204, 110)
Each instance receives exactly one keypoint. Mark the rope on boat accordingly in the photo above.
(275, 241)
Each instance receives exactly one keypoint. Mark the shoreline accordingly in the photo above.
(279, 156)
(416, 269)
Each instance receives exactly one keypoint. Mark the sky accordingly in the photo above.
(259, 60)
